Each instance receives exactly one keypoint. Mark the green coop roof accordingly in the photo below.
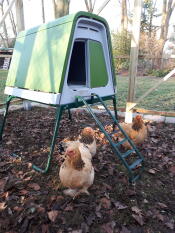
(41, 54)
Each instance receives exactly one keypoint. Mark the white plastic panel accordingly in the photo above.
(38, 96)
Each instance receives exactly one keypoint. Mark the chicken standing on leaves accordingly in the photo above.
(137, 132)
(77, 172)
(87, 137)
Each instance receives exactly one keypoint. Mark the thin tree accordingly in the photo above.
(61, 7)
(4, 26)
(12, 21)
(90, 5)
(124, 17)
(43, 11)
(167, 10)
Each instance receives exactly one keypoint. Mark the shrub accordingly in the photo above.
(121, 47)
(159, 73)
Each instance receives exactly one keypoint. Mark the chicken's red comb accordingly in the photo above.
(138, 117)
(70, 152)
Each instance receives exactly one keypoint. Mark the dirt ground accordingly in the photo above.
(34, 202)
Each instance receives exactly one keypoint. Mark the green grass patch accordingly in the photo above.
(3, 77)
(161, 99)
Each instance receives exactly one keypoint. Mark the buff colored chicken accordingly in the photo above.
(87, 137)
(137, 131)
(77, 172)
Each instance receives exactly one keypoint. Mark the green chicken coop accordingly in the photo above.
(65, 63)
(57, 61)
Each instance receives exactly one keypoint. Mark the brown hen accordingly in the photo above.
(137, 132)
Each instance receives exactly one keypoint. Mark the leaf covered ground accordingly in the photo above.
(34, 202)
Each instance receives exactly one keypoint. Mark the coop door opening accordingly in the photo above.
(77, 67)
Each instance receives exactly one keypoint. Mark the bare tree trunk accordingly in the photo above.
(167, 10)
(19, 15)
(43, 11)
(164, 13)
(4, 28)
(12, 21)
(151, 19)
(3, 41)
(61, 7)
(124, 18)
(89, 5)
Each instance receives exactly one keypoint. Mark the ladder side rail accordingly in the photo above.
(120, 128)
(104, 131)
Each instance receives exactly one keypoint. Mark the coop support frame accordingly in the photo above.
(59, 111)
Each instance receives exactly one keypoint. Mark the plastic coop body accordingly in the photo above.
(59, 60)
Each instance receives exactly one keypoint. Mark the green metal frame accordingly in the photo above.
(5, 115)
(59, 111)
(80, 101)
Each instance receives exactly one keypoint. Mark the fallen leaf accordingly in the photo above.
(2, 205)
(34, 186)
(23, 192)
(69, 208)
(25, 225)
(9, 142)
(3, 183)
(172, 170)
(108, 227)
(90, 219)
(138, 218)
(170, 224)
(41, 209)
(3, 164)
(160, 217)
(131, 192)
(125, 230)
(162, 205)
(136, 210)
(152, 171)
(52, 215)
(120, 206)
(106, 203)
(84, 227)
(77, 231)
(45, 228)
(18, 209)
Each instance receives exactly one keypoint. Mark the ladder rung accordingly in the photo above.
(137, 162)
(124, 155)
(121, 142)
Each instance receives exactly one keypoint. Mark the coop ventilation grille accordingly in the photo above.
(86, 28)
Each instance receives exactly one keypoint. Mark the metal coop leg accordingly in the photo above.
(5, 116)
(115, 107)
(69, 114)
(57, 123)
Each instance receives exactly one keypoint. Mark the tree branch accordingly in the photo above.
(87, 5)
